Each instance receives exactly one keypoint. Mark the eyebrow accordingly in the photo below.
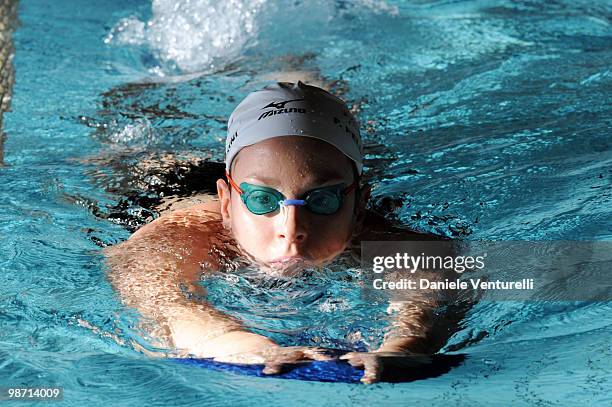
(265, 180)
(321, 179)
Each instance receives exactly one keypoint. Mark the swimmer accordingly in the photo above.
(292, 198)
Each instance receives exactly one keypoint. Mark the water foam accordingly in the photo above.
(189, 36)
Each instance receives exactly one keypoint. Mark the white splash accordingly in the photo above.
(189, 35)
(139, 132)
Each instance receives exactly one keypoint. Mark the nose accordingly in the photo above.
(290, 225)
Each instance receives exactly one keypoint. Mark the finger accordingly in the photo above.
(348, 355)
(373, 371)
(304, 354)
(292, 352)
(288, 356)
(317, 354)
(273, 368)
(370, 378)
(355, 360)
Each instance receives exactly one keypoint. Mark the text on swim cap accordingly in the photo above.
(281, 111)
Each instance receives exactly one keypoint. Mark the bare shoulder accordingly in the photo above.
(188, 232)
(211, 207)
(192, 221)
(192, 228)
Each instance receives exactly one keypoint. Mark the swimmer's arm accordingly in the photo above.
(155, 269)
(413, 312)
(409, 333)
(412, 319)
(410, 327)
(414, 326)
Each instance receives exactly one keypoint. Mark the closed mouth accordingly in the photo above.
(288, 261)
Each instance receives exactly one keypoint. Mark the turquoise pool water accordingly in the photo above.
(482, 120)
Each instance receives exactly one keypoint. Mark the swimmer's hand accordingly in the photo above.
(250, 348)
(376, 364)
(394, 356)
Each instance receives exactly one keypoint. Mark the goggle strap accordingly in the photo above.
(232, 183)
(350, 187)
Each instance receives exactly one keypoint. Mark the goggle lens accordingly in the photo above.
(325, 201)
(261, 200)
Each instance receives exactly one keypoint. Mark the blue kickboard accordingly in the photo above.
(335, 371)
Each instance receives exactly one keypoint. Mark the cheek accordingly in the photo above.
(248, 228)
(344, 218)
(335, 229)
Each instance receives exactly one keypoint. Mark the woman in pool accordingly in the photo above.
(292, 198)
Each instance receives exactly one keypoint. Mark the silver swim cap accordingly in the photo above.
(293, 109)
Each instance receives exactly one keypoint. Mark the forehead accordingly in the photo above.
(294, 157)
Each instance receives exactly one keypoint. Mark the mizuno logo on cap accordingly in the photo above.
(280, 105)
(280, 108)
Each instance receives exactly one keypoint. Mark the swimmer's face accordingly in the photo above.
(293, 166)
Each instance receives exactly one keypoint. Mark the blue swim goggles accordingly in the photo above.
(261, 200)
